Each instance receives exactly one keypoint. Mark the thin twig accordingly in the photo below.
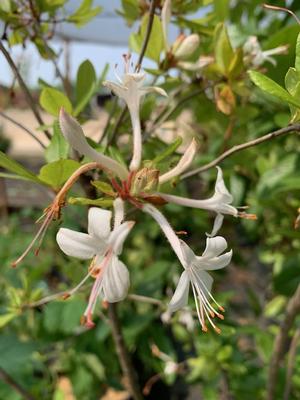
(13, 121)
(276, 8)
(292, 310)
(147, 36)
(30, 99)
(239, 147)
(5, 377)
(145, 299)
(125, 361)
(291, 361)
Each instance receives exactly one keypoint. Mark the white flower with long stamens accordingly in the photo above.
(104, 246)
(130, 88)
(183, 163)
(73, 133)
(195, 270)
(255, 56)
(220, 203)
(195, 273)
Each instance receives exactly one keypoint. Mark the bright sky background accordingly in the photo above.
(105, 40)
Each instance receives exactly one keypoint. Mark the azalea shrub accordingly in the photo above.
(187, 205)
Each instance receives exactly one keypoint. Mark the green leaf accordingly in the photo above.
(6, 318)
(221, 9)
(169, 151)
(84, 13)
(52, 100)
(83, 201)
(85, 85)
(297, 60)
(131, 10)
(58, 147)
(56, 173)
(271, 87)
(18, 169)
(5, 6)
(104, 187)
(155, 44)
(223, 50)
(95, 365)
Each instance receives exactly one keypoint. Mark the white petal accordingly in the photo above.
(188, 254)
(118, 236)
(217, 262)
(217, 225)
(99, 222)
(118, 212)
(154, 89)
(214, 246)
(119, 90)
(203, 280)
(221, 188)
(115, 281)
(134, 77)
(77, 244)
(165, 20)
(180, 297)
(183, 163)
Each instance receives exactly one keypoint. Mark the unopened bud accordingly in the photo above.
(187, 47)
(145, 180)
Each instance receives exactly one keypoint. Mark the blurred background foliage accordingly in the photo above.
(42, 344)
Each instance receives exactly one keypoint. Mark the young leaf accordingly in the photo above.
(85, 85)
(56, 173)
(84, 13)
(18, 169)
(52, 100)
(90, 202)
(271, 87)
(297, 60)
(6, 318)
(169, 151)
(104, 187)
(58, 147)
(223, 50)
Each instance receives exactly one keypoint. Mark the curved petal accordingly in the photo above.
(217, 225)
(99, 222)
(203, 280)
(118, 236)
(216, 262)
(119, 90)
(214, 247)
(153, 89)
(76, 244)
(115, 281)
(180, 297)
(188, 254)
(221, 188)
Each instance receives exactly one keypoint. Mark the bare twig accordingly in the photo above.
(292, 309)
(13, 121)
(30, 99)
(145, 299)
(276, 8)
(123, 354)
(239, 147)
(291, 362)
(5, 377)
(147, 36)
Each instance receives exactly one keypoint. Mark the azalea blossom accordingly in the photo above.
(73, 133)
(220, 203)
(256, 56)
(103, 246)
(195, 273)
(130, 88)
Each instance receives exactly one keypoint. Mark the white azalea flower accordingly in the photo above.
(255, 56)
(196, 274)
(130, 88)
(73, 133)
(220, 203)
(187, 47)
(195, 271)
(103, 246)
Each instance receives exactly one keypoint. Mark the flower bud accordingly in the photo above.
(187, 47)
(145, 180)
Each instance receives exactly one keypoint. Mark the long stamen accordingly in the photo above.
(199, 312)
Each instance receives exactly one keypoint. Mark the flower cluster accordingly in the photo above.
(140, 185)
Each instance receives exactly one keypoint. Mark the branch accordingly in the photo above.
(126, 363)
(147, 36)
(13, 121)
(30, 99)
(239, 147)
(291, 361)
(5, 377)
(292, 309)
